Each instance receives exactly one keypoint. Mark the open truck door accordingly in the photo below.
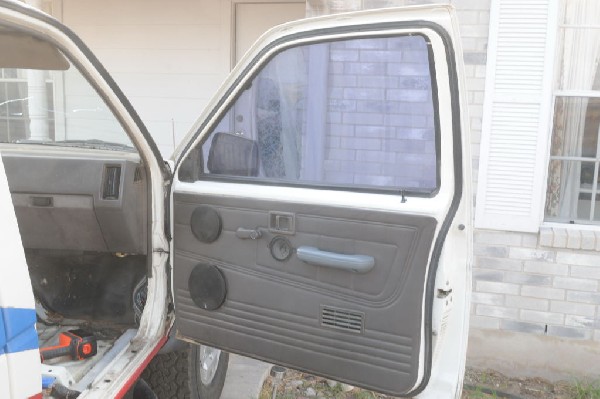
(20, 368)
(333, 233)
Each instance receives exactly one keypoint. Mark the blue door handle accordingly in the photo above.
(354, 263)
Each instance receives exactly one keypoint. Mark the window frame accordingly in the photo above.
(549, 221)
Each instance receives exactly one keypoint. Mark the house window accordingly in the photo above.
(15, 104)
(573, 194)
(56, 106)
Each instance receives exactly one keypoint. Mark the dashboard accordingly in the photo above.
(79, 199)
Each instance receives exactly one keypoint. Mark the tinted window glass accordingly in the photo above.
(353, 113)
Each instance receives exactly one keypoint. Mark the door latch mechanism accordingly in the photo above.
(443, 293)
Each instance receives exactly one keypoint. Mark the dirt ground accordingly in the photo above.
(477, 385)
(491, 384)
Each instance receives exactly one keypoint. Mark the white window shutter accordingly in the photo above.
(516, 115)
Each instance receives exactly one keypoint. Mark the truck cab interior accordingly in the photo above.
(80, 193)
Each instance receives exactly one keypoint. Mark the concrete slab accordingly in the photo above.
(533, 355)
(245, 378)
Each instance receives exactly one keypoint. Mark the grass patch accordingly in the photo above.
(586, 390)
(477, 392)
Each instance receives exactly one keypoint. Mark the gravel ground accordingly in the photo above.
(478, 385)
(486, 384)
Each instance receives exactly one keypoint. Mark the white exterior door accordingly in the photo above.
(252, 19)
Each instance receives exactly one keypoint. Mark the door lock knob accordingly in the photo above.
(253, 234)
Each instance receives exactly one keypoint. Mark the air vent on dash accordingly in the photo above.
(112, 182)
(342, 319)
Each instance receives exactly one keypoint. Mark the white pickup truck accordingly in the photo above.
(316, 216)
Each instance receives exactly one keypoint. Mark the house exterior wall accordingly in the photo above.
(169, 59)
(538, 288)
(545, 284)
(523, 286)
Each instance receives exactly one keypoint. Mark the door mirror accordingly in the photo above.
(233, 155)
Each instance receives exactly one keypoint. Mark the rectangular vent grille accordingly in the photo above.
(112, 183)
(342, 319)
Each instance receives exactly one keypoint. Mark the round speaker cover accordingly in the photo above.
(281, 249)
(207, 287)
(206, 224)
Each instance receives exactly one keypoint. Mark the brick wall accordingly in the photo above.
(473, 17)
(380, 114)
(521, 285)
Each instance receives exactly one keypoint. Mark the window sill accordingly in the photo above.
(571, 236)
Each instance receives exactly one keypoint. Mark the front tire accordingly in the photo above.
(208, 369)
(195, 372)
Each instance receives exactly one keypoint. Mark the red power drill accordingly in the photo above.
(77, 344)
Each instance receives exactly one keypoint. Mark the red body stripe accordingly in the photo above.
(140, 369)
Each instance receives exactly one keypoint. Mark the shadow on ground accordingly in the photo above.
(478, 384)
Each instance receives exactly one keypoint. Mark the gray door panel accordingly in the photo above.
(366, 327)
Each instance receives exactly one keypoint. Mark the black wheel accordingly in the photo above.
(208, 368)
(141, 390)
(196, 372)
